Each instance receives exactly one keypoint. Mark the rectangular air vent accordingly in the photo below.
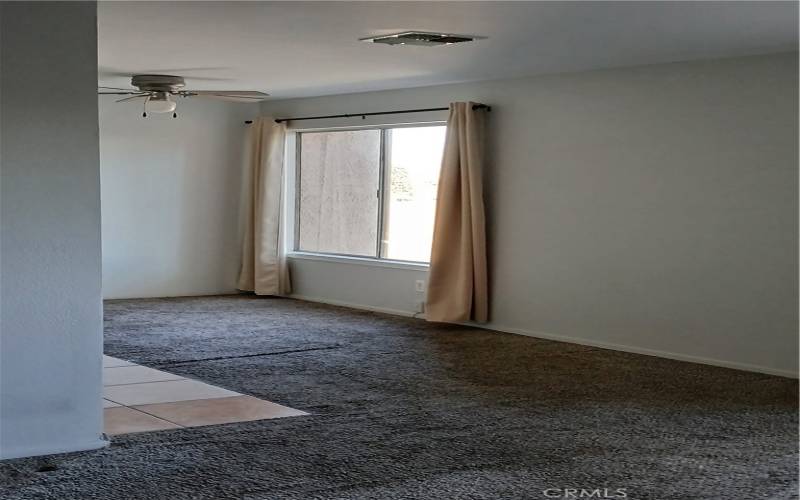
(420, 38)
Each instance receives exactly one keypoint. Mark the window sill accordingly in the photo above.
(360, 261)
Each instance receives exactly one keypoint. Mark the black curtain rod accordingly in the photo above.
(364, 115)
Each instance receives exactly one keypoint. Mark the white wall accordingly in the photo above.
(651, 209)
(170, 197)
(349, 282)
(50, 323)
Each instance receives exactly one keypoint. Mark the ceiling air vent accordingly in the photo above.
(420, 38)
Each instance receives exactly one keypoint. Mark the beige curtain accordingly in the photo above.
(264, 267)
(457, 283)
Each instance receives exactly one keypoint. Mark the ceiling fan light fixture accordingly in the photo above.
(158, 92)
(159, 103)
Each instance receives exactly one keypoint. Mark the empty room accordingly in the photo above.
(398, 250)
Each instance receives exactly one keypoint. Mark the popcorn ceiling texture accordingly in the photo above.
(404, 409)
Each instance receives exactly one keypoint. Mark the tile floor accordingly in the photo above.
(140, 399)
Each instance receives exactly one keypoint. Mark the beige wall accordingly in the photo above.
(651, 209)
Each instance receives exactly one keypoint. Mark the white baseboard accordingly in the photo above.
(209, 293)
(35, 451)
(574, 340)
(395, 312)
(641, 350)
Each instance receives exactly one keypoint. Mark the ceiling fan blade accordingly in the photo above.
(230, 95)
(114, 73)
(132, 97)
(230, 98)
(240, 93)
(189, 78)
(121, 93)
(172, 71)
(116, 88)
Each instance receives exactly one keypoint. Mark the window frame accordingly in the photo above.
(385, 144)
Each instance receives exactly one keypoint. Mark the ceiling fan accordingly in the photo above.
(158, 90)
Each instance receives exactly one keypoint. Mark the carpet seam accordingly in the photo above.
(222, 358)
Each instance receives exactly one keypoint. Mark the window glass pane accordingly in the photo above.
(414, 157)
(338, 202)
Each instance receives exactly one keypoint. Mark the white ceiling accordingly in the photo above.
(295, 49)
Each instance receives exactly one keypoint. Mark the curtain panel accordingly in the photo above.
(264, 270)
(457, 282)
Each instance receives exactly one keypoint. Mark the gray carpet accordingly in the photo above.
(402, 409)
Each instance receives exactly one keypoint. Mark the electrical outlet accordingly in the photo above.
(420, 285)
(420, 306)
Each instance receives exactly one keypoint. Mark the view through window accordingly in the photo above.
(368, 192)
